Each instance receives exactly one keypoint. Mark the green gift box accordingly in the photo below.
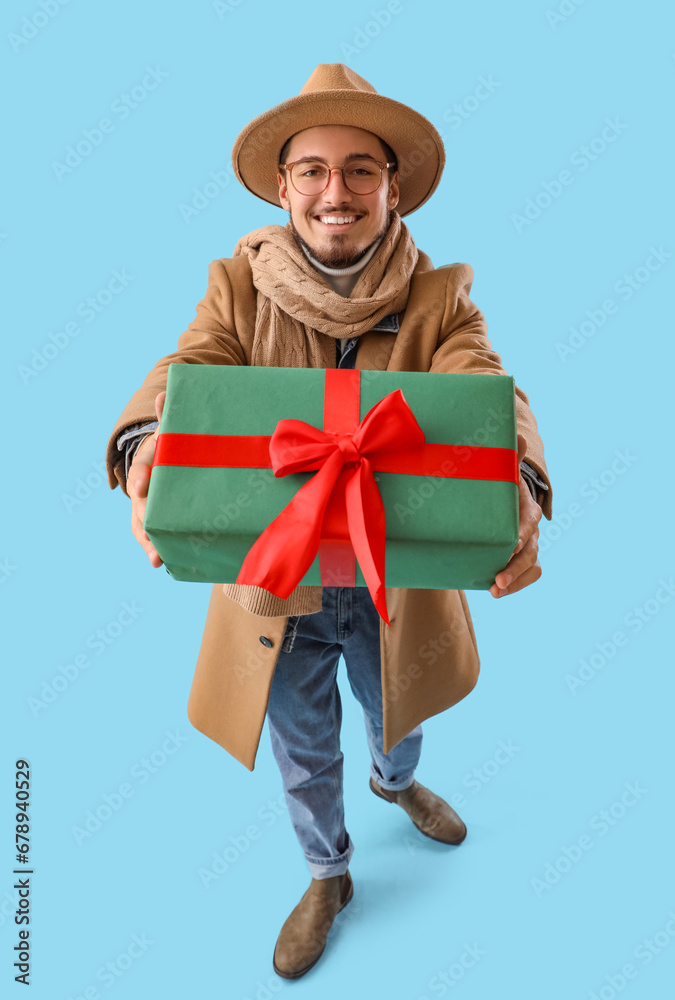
(450, 505)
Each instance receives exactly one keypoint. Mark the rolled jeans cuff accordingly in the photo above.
(329, 867)
(391, 786)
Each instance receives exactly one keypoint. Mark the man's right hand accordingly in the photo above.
(137, 485)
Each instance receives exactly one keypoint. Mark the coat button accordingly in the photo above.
(265, 641)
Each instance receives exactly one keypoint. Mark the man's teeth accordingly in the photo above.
(338, 220)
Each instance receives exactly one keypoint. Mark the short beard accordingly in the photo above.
(335, 256)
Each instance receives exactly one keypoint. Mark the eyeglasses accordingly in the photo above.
(362, 175)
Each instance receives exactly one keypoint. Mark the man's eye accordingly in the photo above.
(311, 171)
(362, 170)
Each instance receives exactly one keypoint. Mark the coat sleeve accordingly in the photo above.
(463, 347)
(218, 335)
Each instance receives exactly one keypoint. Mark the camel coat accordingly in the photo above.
(429, 659)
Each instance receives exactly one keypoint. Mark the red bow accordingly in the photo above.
(285, 550)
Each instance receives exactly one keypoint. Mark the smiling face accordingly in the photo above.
(363, 217)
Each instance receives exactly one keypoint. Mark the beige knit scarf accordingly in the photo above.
(295, 305)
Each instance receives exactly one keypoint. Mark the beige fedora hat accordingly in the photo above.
(336, 95)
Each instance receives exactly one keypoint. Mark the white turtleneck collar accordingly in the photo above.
(342, 279)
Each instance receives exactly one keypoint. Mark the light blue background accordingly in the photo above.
(69, 567)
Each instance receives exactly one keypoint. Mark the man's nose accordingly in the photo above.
(336, 190)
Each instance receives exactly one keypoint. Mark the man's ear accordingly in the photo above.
(393, 194)
(283, 192)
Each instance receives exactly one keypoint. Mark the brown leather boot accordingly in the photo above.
(429, 812)
(302, 940)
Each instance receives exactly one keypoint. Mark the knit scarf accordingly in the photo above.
(295, 305)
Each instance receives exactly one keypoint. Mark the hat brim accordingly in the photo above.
(417, 144)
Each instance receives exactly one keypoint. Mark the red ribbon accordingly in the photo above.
(286, 549)
(338, 512)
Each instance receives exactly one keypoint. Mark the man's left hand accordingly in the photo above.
(523, 567)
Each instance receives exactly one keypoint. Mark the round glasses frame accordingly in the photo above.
(289, 167)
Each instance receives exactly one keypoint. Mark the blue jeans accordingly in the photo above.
(305, 713)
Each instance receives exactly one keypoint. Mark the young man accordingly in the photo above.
(342, 285)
